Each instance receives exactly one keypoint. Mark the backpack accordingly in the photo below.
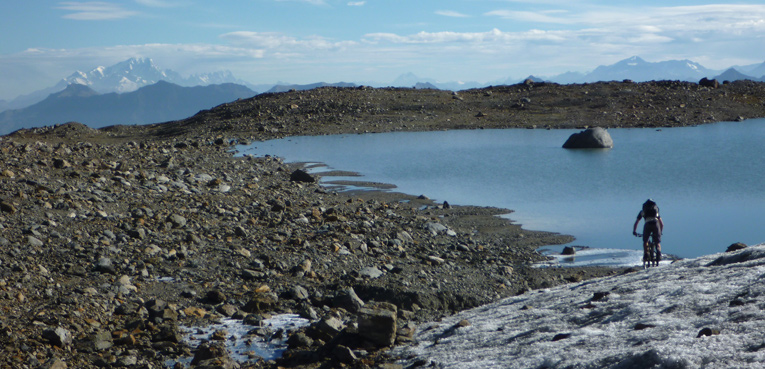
(650, 210)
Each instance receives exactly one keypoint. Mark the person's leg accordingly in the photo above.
(646, 253)
(646, 249)
(657, 241)
(658, 253)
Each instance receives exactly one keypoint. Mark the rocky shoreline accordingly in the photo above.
(114, 238)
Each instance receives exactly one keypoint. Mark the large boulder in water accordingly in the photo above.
(591, 138)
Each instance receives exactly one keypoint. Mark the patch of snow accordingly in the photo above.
(616, 258)
(244, 346)
(652, 318)
(126, 85)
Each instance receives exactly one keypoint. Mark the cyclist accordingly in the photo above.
(652, 227)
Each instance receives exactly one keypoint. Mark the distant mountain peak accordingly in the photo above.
(75, 90)
(134, 73)
(637, 69)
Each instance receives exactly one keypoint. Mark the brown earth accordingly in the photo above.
(117, 236)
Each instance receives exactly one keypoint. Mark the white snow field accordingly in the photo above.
(651, 318)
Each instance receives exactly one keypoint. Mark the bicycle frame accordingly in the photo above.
(650, 255)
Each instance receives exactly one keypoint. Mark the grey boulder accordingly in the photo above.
(591, 138)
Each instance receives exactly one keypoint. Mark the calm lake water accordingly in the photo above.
(707, 180)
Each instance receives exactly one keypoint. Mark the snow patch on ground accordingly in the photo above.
(248, 344)
(651, 318)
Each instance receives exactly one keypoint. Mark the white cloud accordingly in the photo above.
(528, 16)
(157, 3)
(274, 40)
(451, 13)
(356, 3)
(493, 36)
(313, 2)
(577, 41)
(95, 10)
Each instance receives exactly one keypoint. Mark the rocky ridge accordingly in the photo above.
(113, 238)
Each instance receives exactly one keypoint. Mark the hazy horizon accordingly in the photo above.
(307, 41)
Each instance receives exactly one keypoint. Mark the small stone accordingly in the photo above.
(195, 312)
(219, 335)
(261, 303)
(58, 337)
(327, 328)
(344, 354)
(215, 297)
(641, 326)
(61, 164)
(736, 246)
(7, 207)
(33, 241)
(212, 355)
(299, 293)
(299, 339)
(370, 272)
(104, 265)
(251, 274)
(177, 220)
(462, 323)
(54, 363)
(102, 340)
(708, 332)
(348, 300)
(436, 260)
(227, 310)
(561, 336)
(300, 175)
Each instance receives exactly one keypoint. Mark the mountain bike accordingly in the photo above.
(652, 256)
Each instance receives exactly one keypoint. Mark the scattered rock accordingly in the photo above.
(215, 297)
(58, 337)
(370, 272)
(348, 300)
(344, 354)
(327, 328)
(300, 175)
(736, 246)
(561, 336)
(7, 207)
(708, 332)
(377, 325)
(213, 355)
(713, 83)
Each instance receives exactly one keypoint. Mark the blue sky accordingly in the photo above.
(305, 41)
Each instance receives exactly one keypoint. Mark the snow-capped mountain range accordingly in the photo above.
(123, 77)
(134, 73)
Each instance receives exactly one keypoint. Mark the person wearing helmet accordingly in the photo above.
(652, 227)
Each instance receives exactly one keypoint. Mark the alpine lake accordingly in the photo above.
(708, 180)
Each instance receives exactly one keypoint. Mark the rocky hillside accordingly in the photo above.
(114, 238)
(530, 105)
